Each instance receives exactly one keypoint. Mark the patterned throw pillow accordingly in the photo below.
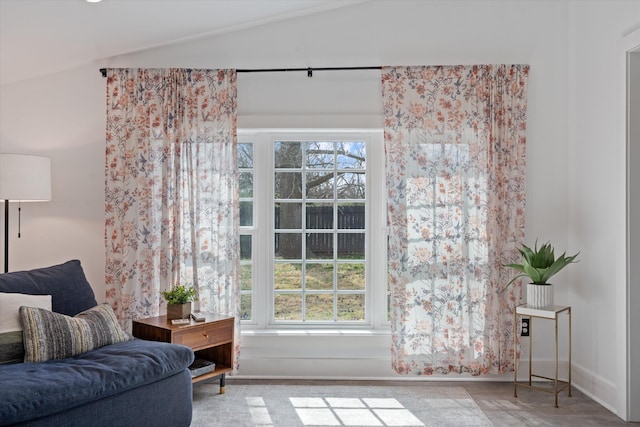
(49, 335)
(11, 347)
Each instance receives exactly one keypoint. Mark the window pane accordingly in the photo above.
(246, 214)
(319, 245)
(245, 247)
(351, 245)
(288, 185)
(319, 307)
(351, 155)
(287, 306)
(245, 307)
(319, 216)
(319, 189)
(288, 216)
(320, 185)
(319, 277)
(319, 155)
(351, 277)
(288, 245)
(245, 277)
(350, 185)
(351, 307)
(245, 155)
(246, 184)
(287, 154)
(351, 216)
(287, 276)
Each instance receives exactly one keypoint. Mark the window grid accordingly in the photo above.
(373, 289)
(306, 169)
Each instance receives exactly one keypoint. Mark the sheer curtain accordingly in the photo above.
(171, 196)
(455, 165)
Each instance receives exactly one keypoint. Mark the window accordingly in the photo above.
(245, 174)
(310, 220)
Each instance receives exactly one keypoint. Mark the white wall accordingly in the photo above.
(597, 197)
(62, 116)
(633, 295)
(390, 33)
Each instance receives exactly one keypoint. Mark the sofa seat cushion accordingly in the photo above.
(45, 388)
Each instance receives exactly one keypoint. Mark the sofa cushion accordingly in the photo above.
(49, 335)
(11, 346)
(41, 389)
(66, 283)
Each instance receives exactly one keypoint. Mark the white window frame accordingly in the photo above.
(262, 253)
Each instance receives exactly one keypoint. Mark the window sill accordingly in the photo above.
(315, 332)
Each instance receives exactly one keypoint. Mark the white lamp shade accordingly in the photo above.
(25, 178)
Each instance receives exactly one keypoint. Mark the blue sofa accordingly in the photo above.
(134, 382)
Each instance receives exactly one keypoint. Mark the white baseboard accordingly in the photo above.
(341, 369)
(596, 387)
(367, 357)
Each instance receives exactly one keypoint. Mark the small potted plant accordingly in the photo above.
(179, 299)
(539, 265)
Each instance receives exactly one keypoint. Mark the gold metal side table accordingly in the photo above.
(549, 313)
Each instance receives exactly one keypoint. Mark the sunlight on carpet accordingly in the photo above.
(339, 405)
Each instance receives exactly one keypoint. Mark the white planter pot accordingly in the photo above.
(539, 296)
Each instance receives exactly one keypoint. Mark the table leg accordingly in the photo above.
(515, 354)
(222, 383)
(569, 351)
(555, 381)
(530, 349)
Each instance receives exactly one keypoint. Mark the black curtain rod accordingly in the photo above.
(309, 70)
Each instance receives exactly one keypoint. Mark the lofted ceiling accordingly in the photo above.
(39, 37)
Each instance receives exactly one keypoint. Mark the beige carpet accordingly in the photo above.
(334, 405)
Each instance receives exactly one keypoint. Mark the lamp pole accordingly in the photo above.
(6, 236)
(22, 178)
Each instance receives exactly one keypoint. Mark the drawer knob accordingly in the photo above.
(206, 335)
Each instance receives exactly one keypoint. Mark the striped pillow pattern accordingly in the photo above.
(49, 335)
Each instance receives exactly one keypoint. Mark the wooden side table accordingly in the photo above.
(549, 313)
(211, 340)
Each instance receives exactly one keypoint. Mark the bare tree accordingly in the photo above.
(332, 169)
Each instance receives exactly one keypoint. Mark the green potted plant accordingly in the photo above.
(539, 265)
(179, 299)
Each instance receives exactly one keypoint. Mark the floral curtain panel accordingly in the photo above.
(171, 196)
(455, 165)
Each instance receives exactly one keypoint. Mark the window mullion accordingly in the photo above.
(304, 233)
(263, 193)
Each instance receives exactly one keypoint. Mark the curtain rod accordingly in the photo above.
(309, 70)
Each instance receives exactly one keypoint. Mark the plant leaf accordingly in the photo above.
(540, 263)
(559, 264)
(519, 267)
(511, 281)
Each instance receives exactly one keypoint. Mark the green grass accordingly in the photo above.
(319, 304)
(319, 280)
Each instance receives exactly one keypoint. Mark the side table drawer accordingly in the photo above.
(207, 335)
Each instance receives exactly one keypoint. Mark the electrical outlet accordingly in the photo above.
(524, 332)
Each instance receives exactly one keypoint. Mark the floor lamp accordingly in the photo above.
(22, 179)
